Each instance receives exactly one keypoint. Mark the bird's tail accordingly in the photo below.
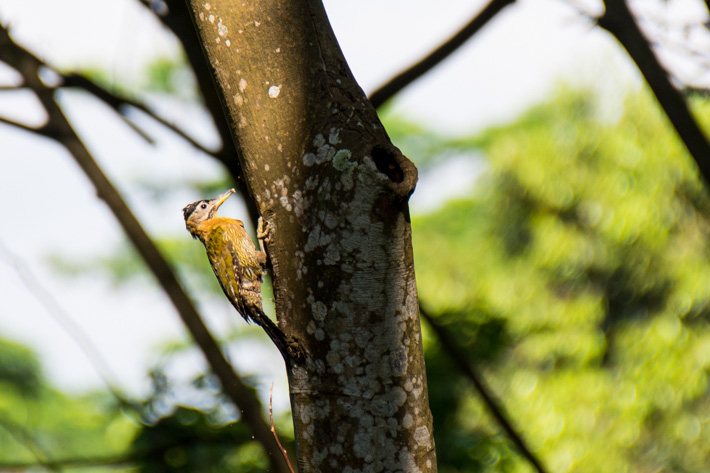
(286, 347)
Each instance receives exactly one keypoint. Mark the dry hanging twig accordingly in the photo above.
(273, 429)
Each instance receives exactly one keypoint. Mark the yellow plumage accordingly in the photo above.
(236, 263)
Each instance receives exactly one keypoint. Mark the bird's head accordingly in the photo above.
(203, 210)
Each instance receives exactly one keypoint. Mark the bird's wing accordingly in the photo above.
(235, 264)
(223, 253)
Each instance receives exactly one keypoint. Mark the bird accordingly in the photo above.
(235, 261)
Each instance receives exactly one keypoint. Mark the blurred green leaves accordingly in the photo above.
(585, 245)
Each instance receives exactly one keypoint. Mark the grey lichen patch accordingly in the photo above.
(406, 461)
(422, 436)
(334, 136)
(324, 151)
(330, 220)
(306, 413)
(319, 311)
(342, 162)
(313, 238)
(311, 327)
(347, 181)
(319, 457)
(299, 203)
(309, 159)
(358, 332)
(221, 28)
(332, 255)
(285, 203)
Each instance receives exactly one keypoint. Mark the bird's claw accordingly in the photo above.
(263, 232)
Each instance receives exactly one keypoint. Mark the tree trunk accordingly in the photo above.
(334, 192)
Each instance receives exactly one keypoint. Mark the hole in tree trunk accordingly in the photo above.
(387, 164)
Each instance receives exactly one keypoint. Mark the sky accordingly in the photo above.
(51, 209)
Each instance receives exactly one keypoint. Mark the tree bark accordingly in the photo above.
(333, 190)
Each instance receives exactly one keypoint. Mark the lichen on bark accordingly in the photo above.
(334, 191)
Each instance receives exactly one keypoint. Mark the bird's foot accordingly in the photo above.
(263, 232)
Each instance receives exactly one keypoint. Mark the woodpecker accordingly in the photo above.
(235, 261)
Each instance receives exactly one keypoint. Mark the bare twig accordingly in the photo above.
(273, 429)
(619, 21)
(414, 72)
(59, 128)
(119, 103)
(22, 126)
(494, 405)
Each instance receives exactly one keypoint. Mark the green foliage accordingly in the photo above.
(19, 370)
(577, 277)
(40, 424)
(188, 440)
(96, 432)
(171, 76)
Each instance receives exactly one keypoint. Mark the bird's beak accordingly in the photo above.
(219, 200)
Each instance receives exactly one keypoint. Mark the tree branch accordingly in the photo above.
(118, 102)
(494, 406)
(177, 18)
(22, 126)
(619, 21)
(414, 72)
(60, 129)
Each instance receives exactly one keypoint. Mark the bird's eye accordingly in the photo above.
(203, 206)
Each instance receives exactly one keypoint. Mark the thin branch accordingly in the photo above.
(494, 405)
(414, 72)
(619, 21)
(61, 130)
(22, 126)
(273, 429)
(118, 103)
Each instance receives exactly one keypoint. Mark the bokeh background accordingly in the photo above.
(560, 234)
